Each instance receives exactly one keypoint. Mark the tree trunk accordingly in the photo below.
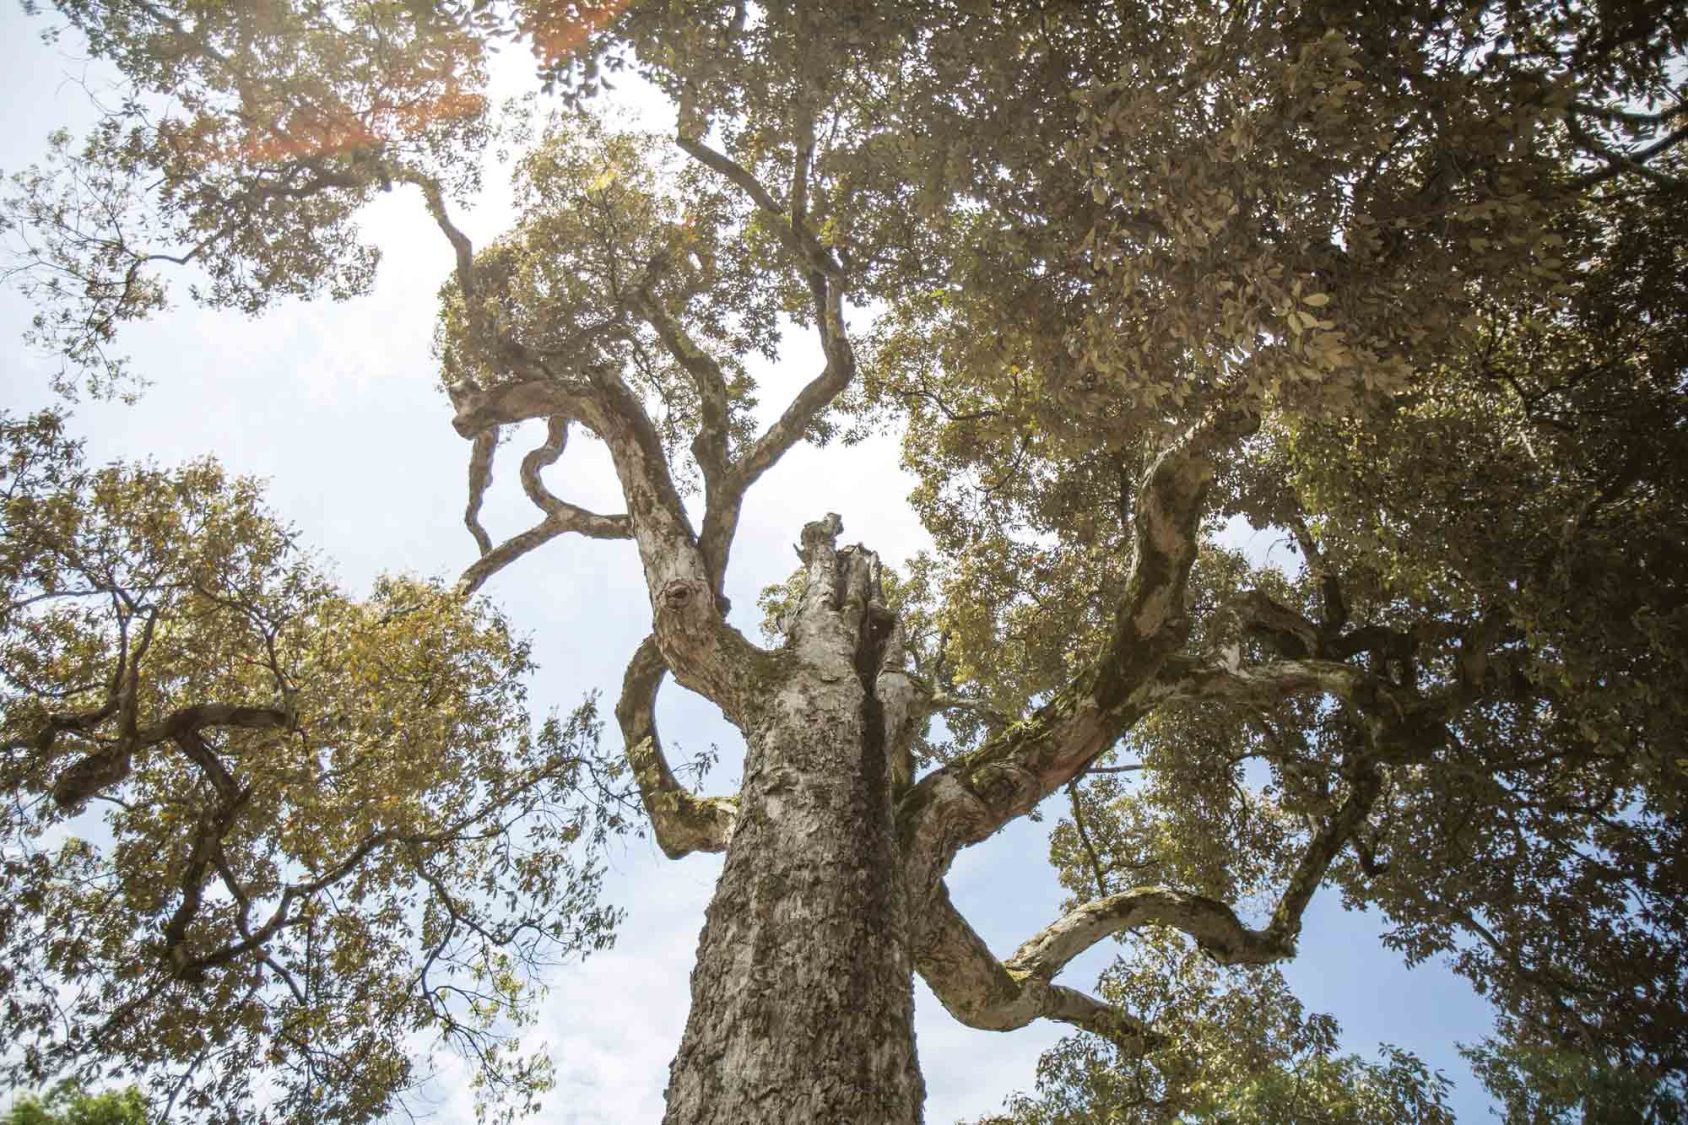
(802, 995)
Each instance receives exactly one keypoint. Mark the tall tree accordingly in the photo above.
(1401, 281)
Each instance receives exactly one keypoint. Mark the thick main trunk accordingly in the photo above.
(802, 996)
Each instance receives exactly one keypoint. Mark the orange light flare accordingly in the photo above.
(312, 134)
(560, 29)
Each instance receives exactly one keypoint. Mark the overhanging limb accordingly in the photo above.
(682, 821)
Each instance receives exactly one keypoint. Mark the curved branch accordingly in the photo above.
(710, 447)
(561, 517)
(1212, 924)
(480, 479)
(214, 824)
(541, 457)
(972, 797)
(682, 821)
(1400, 723)
(477, 409)
(983, 992)
(797, 418)
(462, 249)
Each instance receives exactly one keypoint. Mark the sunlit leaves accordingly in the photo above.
(1239, 1048)
(267, 840)
(615, 235)
(249, 137)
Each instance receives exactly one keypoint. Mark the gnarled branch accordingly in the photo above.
(561, 517)
(983, 992)
(972, 797)
(1212, 924)
(682, 821)
(480, 479)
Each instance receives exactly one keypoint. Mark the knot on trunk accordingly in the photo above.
(684, 605)
(677, 595)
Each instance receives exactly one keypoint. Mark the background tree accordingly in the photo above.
(329, 825)
(69, 1104)
(1400, 281)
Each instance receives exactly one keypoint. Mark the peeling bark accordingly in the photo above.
(802, 996)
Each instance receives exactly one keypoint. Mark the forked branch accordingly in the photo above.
(825, 279)
(972, 797)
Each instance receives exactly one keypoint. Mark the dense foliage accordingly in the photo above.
(257, 826)
(1413, 275)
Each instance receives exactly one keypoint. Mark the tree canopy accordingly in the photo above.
(328, 824)
(1404, 283)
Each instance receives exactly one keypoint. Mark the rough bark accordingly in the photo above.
(802, 999)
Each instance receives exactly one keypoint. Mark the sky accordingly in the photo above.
(338, 407)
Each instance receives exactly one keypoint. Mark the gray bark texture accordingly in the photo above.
(802, 994)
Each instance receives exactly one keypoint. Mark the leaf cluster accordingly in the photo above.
(259, 831)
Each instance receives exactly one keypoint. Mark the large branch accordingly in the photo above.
(983, 992)
(1212, 924)
(564, 521)
(682, 821)
(1293, 635)
(723, 492)
(972, 797)
(705, 653)
(463, 251)
(105, 768)
(798, 417)
(986, 993)
(710, 446)
(825, 279)
(477, 409)
(1400, 724)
